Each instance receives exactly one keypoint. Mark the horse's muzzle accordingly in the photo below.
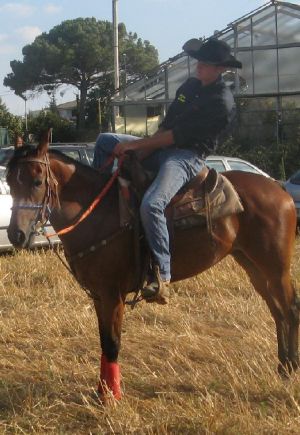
(19, 239)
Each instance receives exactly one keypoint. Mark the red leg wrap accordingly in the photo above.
(109, 378)
(113, 379)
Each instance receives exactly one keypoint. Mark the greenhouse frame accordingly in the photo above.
(266, 41)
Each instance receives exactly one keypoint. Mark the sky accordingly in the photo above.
(167, 24)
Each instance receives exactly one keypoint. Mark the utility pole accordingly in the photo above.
(23, 96)
(116, 54)
(26, 125)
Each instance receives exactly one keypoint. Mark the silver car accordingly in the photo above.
(292, 186)
(84, 152)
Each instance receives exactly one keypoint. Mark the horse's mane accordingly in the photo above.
(19, 153)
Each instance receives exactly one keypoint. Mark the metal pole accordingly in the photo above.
(124, 94)
(116, 54)
(26, 125)
(116, 44)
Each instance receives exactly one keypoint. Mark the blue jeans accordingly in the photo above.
(105, 145)
(174, 167)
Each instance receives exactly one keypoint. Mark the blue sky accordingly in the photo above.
(167, 24)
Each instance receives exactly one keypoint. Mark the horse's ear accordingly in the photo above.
(44, 142)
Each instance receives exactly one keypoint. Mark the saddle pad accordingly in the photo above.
(223, 201)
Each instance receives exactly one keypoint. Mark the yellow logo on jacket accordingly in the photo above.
(181, 98)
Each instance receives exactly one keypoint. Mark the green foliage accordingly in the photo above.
(98, 109)
(63, 131)
(280, 160)
(80, 53)
(14, 124)
(266, 137)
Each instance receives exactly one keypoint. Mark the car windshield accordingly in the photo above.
(5, 155)
(218, 165)
(90, 154)
(3, 184)
(295, 178)
(242, 166)
(2, 173)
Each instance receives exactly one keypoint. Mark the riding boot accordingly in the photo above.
(157, 290)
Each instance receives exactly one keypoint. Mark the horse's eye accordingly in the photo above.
(37, 182)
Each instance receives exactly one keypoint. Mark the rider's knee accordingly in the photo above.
(150, 207)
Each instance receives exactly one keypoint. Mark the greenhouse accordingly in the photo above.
(266, 41)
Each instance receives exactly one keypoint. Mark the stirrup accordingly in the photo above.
(156, 291)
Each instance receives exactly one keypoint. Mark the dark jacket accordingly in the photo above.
(199, 114)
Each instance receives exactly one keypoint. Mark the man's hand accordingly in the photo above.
(122, 147)
(147, 144)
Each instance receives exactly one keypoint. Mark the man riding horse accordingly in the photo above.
(200, 112)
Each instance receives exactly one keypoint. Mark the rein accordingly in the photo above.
(45, 206)
(94, 204)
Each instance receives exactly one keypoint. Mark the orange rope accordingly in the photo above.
(93, 205)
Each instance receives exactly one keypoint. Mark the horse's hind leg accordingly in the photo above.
(293, 333)
(110, 311)
(281, 300)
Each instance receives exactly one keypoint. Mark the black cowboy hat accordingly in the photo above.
(214, 52)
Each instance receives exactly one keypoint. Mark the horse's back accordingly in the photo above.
(259, 191)
(268, 223)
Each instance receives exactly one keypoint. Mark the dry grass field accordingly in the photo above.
(204, 364)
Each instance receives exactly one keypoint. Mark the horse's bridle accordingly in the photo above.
(51, 193)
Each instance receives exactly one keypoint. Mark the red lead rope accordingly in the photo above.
(96, 201)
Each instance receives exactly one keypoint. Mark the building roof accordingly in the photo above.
(69, 105)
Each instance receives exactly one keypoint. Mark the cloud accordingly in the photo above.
(5, 47)
(3, 37)
(51, 8)
(28, 33)
(17, 8)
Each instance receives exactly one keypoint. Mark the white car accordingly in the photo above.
(5, 207)
(221, 164)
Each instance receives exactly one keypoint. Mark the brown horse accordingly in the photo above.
(261, 239)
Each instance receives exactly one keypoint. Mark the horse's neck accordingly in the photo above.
(78, 186)
(73, 179)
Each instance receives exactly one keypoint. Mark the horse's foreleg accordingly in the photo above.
(110, 315)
